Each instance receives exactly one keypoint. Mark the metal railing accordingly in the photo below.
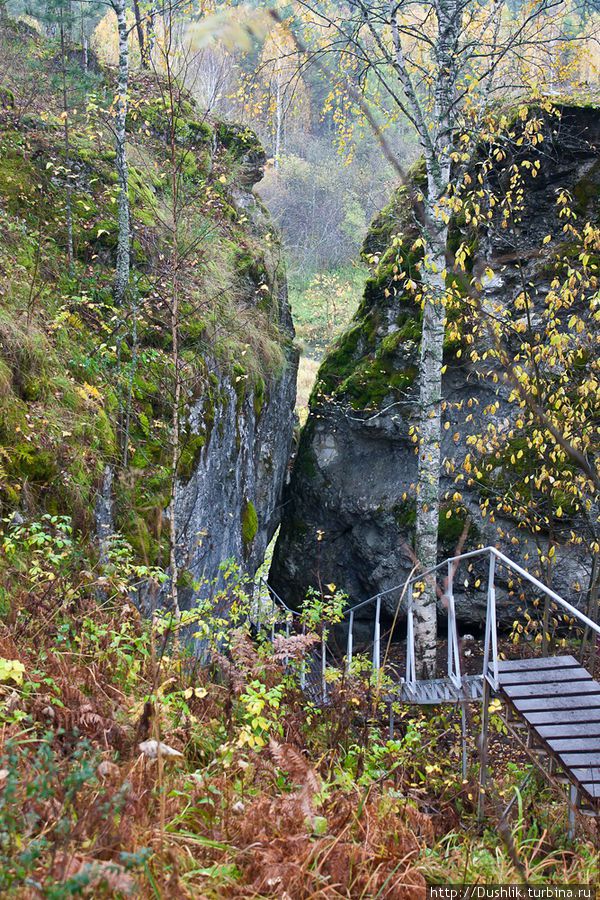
(407, 592)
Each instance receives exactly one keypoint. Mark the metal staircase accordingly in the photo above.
(560, 716)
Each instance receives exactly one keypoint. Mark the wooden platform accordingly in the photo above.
(559, 703)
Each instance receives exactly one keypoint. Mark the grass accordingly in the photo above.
(323, 304)
(307, 375)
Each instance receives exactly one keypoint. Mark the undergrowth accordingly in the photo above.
(131, 767)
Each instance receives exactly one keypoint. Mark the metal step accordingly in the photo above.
(439, 690)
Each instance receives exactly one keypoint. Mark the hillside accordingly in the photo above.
(94, 383)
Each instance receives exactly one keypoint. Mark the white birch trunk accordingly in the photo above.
(278, 116)
(123, 218)
(428, 479)
(438, 165)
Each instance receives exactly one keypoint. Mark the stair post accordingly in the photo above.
(572, 808)
(303, 665)
(483, 749)
(454, 670)
(491, 635)
(377, 637)
(287, 634)
(410, 639)
(324, 666)
(349, 644)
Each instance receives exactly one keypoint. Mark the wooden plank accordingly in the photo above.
(559, 716)
(537, 662)
(592, 776)
(593, 789)
(580, 759)
(531, 691)
(571, 729)
(545, 676)
(589, 701)
(574, 745)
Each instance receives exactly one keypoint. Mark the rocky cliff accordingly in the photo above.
(95, 382)
(350, 509)
(230, 505)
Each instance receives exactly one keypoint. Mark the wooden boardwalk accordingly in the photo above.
(558, 701)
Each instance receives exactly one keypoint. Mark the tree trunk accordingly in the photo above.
(278, 115)
(124, 226)
(140, 34)
(175, 357)
(67, 144)
(435, 233)
(150, 34)
(428, 479)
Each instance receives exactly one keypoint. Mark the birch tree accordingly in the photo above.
(121, 102)
(438, 63)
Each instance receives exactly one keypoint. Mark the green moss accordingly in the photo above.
(105, 233)
(339, 362)
(249, 523)
(393, 219)
(305, 464)
(586, 192)
(200, 131)
(188, 129)
(104, 439)
(190, 454)
(143, 199)
(372, 383)
(363, 371)
(18, 179)
(451, 524)
(7, 98)
(405, 514)
(259, 396)
(238, 139)
(32, 464)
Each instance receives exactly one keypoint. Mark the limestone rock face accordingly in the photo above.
(350, 508)
(229, 496)
(229, 507)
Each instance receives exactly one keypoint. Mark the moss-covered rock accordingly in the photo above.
(249, 523)
(84, 384)
(351, 507)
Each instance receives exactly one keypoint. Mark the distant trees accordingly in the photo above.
(323, 205)
(279, 90)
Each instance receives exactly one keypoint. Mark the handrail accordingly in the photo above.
(552, 594)
(406, 589)
(452, 559)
